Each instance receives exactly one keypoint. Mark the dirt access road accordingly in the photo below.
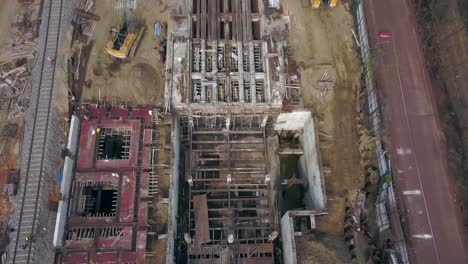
(322, 39)
(425, 189)
(137, 80)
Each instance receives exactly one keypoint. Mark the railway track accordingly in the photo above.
(32, 187)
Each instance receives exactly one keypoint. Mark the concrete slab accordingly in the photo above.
(292, 121)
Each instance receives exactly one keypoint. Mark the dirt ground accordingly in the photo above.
(320, 248)
(446, 39)
(7, 13)
(160, 251)
(164, 159)
(9, 147)
(139, 79)
(10, 14)
(159, 212)
(5, 202)
(318, 39)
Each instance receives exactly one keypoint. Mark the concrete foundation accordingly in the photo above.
(309, 163)
(288, 241)
(173, 192)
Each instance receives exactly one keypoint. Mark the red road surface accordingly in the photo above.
(434, 231)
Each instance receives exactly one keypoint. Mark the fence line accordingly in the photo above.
(386, 195)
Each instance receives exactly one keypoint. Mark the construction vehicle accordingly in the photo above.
(323, 3)
(126, 31)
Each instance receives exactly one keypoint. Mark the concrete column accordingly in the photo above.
(252, 72)
(203, 94)
(227, 30)
(203, 57)
(241, 89)
(189, 65)
(214, 58)
(287, 236)
(215, 93)
(248, 21)
(240, 63)
(228, 92)
(266, 68)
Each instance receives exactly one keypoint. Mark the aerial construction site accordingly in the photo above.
(210, 131)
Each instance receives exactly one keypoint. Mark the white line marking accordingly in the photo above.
(412, 192)
(423, 236)
(404, 151)
(407, 169)
(415, 157)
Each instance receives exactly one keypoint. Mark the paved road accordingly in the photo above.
(432, 219)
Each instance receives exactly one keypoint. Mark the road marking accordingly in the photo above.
(415, 157)
(407, 169)
(423, 236)
(404, 151)
(412, 192)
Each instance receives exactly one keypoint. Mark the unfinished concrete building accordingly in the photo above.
(108, 187)
(230, 216)
(226, 82)
(222, 60)
(301, 183)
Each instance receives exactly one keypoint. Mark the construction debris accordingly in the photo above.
(13, 83)
(15, 67)
(274, 4)
(84, 22)
(324, 85)
(23, 45)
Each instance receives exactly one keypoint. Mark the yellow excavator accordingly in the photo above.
(125, 32)
(323, 3)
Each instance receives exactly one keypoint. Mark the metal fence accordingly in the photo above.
(386, 207)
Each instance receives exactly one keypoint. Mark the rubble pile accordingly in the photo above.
(84, 22)
(15, 68)
(14, 80)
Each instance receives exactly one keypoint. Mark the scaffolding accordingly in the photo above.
(257, 50)
(90, 233)
(114, 143)
(89, 201)
(229, 201)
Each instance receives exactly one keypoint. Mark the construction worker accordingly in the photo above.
(51, 60)
(27, 238)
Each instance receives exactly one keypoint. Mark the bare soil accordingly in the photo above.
(312, 250)
(7, 17)
(138, 80)
(10, 13)
(5, 201)
(322, 39)
(164, 159)
(159, 252)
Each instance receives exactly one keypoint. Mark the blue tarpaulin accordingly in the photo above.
(60, 176)
(157, 29)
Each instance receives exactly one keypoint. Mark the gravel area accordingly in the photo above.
(45, 222)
